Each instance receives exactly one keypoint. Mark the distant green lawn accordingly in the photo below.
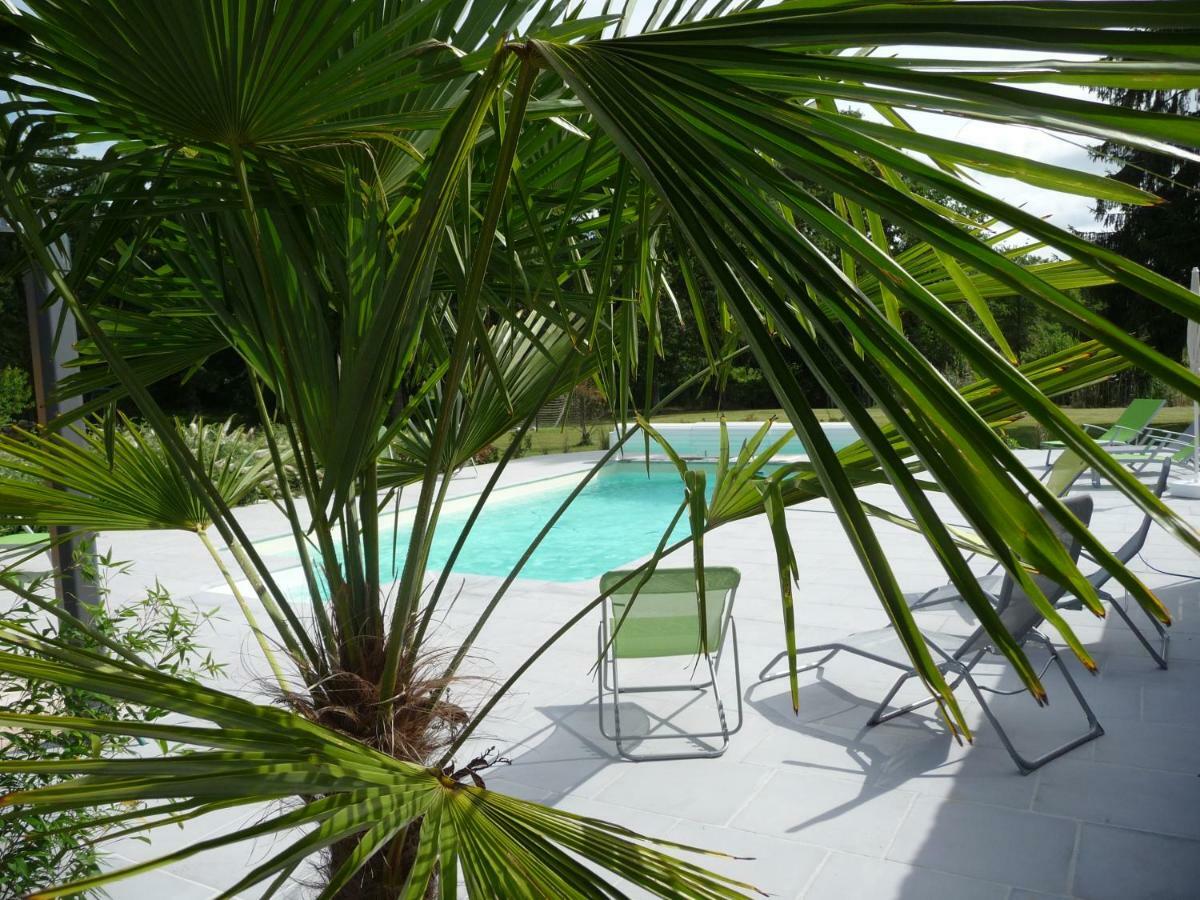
(1025, 431)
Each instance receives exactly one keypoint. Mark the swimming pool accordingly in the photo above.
(618, 518)
(702, 440)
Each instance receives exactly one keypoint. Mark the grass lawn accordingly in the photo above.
(1025, 432)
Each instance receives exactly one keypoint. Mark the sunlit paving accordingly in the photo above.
(693, 449)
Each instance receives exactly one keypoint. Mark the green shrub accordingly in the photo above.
(15, 394)
(45, 848)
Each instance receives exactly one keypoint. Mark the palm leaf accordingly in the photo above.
(128, 483)
(241, 753)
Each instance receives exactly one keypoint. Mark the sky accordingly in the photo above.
(1062, 209)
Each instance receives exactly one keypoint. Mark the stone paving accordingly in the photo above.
(826, 806)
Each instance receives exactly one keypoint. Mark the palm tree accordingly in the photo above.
(416, 221)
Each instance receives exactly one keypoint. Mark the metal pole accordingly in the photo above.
(52, 338)
(1195, 365)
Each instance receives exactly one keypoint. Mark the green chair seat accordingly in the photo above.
(666, 624)
(1065, 472)
(664, 617)
(22, 554)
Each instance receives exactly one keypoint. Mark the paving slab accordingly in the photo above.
(846, 876)
(988, 842)
(827, 806)
(1119, 864)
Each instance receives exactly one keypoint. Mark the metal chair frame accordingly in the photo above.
(962, 662)
(962, 671)
(1126, 552)
(614, 690)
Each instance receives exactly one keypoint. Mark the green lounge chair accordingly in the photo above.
(1128, 429)
(660, 617)
(1020, 617)
(1175, 446)
(19, 553)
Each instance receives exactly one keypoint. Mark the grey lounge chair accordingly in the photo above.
(991, 582)
(664, 621)
(1019, 616)
(1059, 478)
(1127, 551)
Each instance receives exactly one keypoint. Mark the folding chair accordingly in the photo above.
(1020, 617)
(1127, 551)
(1059, 478)
(660, 617)
(1176, 446)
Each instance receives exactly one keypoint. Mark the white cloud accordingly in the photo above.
(1029, 143)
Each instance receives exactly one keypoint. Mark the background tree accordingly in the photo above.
(1164, 237)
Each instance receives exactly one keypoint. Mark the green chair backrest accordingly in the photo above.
(1065, 472)
(664, 619)
(1133, 420)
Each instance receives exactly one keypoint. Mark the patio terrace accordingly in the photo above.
(827, 807)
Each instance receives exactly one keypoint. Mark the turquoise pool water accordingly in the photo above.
(619, 517)
(702, 440)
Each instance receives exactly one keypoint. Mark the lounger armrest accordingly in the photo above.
(938, 650)
(1165, 434)
(1173, 440)
(1123, 433)
(1163, 448)
(1170, 446)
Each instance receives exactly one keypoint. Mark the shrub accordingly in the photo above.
(15, 395)
(43, 848)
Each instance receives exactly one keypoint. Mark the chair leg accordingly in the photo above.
(879, 716)
(767, 675)
(601, 681)
(615, 690)
(737, 678)
(1025, 764)
(1159, 655)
